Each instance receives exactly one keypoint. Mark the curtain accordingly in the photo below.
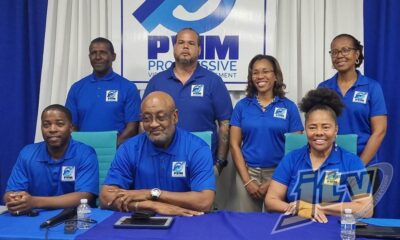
(21, 45)
(382, 62)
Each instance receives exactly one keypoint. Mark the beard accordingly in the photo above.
(185, 60)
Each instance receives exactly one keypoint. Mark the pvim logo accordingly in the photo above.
(154, 12)
(218, 53)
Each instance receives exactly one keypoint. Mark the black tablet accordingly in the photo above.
(151, 222)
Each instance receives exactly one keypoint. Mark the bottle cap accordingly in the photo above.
(347, 210)
(84, 200)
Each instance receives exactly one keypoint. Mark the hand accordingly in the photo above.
(123, 197)
(168, 209)
(20, 202)
(318, 214)
(252, 189)
(291, 209)
(264, 188)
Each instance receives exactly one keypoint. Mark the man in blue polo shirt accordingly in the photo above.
(104, 101)
(170, 170)
(200, 95)
(56, 173)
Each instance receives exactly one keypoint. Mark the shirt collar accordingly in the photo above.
(333, 158)
(67, 154)
(198, 73)
(108, 77)
(171, 149)
(361, 80)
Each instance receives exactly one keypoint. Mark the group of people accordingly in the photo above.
(168, 170)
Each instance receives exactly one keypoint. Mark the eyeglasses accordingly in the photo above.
(159, 117)
(343, 51)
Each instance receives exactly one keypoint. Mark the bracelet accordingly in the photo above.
(136, 206)
(251, 180)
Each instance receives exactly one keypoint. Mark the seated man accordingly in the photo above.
(170, 170)
(56, 173)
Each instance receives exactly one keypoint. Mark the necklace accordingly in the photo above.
(263, 106)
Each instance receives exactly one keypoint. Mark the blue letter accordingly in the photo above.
(157, 44)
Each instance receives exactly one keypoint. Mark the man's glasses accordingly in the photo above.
(343, 51)
(159, 117)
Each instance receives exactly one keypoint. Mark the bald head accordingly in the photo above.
(160, 99)
(159, 117)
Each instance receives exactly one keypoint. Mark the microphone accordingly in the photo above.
(62, 216)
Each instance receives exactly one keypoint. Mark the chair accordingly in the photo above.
(205, 135)
(105, 145)
(294, 141)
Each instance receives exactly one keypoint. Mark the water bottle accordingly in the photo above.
(348, 225)
(83, 215)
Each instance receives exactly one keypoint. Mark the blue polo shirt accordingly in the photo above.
(363, 100)
(263, 131)
(201, 101)
(103, 104)
(186, 165)
(341, 176)
(38, 174)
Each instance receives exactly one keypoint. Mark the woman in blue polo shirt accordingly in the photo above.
(258, 124)
(365, 112)
(320, 178)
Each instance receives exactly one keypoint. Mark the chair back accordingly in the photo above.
(294, 141)
(205, 135)
(105, 145)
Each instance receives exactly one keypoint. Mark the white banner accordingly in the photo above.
(232, 32)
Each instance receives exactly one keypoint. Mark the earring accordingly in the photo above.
(336, 147)
(357, 61)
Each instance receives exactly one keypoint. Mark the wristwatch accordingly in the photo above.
(155, 193)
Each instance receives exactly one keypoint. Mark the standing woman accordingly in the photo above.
(259, 122)
(365, 111)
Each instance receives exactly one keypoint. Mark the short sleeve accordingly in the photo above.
(88, 172)
(18, 180)
(377, 102)
(295, 123)
(121, 172)
(149, 88)
(282, 173)
(132, 106)
(222, 103)
(72, 105)
(236, 118)
(201, 170)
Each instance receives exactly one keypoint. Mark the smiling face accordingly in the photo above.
(159, 118)
(186, 48)
(263, 76)
(101, 58)
(345, 59)
(56, 129)
(321, 130)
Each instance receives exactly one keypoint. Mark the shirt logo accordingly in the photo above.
(280, 113)
(197, 90)
(360, 97)
(332, 178)
(68, 174)
(179, 169)
(112, 96)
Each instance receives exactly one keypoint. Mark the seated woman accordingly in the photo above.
(320, 178)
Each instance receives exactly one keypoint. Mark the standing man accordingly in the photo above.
(200, 95)
(104, 101)
(166, 169)
(56, 173)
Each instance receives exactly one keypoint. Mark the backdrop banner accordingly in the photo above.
(232, 32)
